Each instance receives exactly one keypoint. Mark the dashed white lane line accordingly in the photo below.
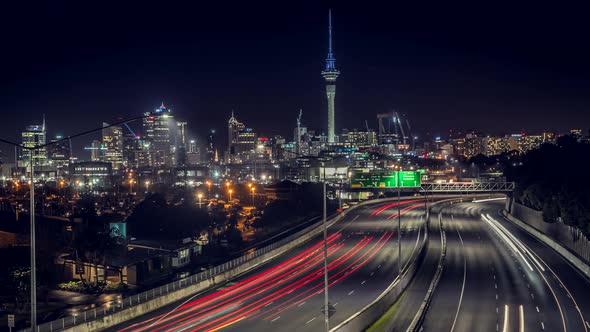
(276, 318)
(300, 304)
(362, 283)
(268, 304)
(537, 308)
(372, 273)
(311, 320)
(379, 266)
(351, 292)
(542, 326)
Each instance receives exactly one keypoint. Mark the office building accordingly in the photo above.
(34, 136)
(112, 142)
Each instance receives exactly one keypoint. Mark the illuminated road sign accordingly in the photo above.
(404, 179)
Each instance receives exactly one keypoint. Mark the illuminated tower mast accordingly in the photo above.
(330, 73)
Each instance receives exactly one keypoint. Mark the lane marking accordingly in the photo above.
(506, 316)
(362, 283)
(351, 292)
(537, 308)
(542, 326)
(464, 279)
(269, 304)
(300, 304)
(276, 318)
(311, 320)
(531, 253)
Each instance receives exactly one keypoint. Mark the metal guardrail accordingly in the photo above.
(471, 187)
(126, 302)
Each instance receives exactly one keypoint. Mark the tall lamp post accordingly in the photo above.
(326, 284)
(32, 150)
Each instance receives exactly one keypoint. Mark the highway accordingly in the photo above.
(287, 293)
(497, 277)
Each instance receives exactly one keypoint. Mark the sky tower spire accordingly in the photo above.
(330, 73)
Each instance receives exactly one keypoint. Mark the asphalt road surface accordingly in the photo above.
(286, 294)
(497, 277)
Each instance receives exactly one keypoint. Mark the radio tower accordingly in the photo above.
(330, 73)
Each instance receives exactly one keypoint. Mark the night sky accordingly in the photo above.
(496, 67)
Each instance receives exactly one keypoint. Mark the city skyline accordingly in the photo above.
(444, 80)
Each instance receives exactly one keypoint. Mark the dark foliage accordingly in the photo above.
(555, 179)
(154, 218)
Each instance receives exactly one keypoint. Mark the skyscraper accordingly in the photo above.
(211, 146)
(330, 73)
(234, 127)
(193, 154)
(156, 131)
(34, 136)
(181, 133)
(59, 154)
(112, 140)
(241, 141)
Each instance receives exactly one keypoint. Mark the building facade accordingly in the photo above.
(34, 136)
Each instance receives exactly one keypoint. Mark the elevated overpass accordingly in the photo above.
(445, 188)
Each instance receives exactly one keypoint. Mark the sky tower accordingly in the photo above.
(330, 73)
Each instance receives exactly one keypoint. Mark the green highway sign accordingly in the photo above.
(409, 179)
(404, 179)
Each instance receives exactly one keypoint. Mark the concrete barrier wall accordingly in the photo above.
(138, 309)
(376, 309)
(570, 257)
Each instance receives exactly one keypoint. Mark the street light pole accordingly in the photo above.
(32, 205)
(399, 231)
(326, 309)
